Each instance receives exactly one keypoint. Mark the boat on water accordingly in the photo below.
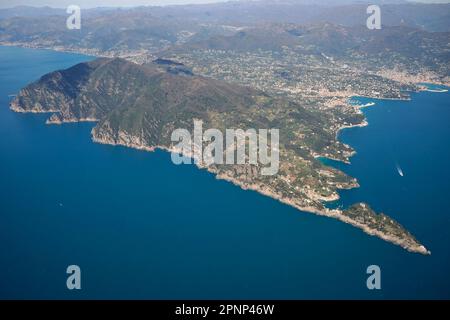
(400, 171)
(368, 105)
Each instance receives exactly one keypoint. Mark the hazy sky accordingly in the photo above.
(96, 3)
(106, 3)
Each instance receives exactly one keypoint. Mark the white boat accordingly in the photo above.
(400, 171)
(437, 90)
(367, 105)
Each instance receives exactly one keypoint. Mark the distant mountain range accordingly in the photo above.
(408, 38)
(431, 17)
(411, 48)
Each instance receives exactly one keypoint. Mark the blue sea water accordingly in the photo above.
(140, 227)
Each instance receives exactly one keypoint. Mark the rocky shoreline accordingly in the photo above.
(410, 243)
(303, 197)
